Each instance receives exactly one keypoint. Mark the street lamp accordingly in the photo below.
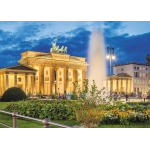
(111, 56)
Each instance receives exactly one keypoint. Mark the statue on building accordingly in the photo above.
(56, 48)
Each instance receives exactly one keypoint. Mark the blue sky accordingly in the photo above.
(129, 39)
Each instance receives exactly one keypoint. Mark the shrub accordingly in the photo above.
(54, 109)
(13, 94)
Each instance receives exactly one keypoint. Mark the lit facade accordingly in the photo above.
(46, 73)
(138, 72)
(120, 83)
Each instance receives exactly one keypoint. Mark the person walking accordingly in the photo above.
(126, 96)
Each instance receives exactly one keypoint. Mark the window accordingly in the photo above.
(136, 74)
(143, 74)
(140, 68)
(19, 79)
(121, 69)
(134, 89)
(146, 68)
(134, 67)
(137, 68)
(140, 74)
(134, 81)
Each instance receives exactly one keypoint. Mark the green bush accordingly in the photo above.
(13, 94)
(53, 109)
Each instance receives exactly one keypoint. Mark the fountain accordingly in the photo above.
(96, 58)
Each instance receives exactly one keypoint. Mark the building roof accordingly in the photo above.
(20, 67)
(120, 75)
(135, 63)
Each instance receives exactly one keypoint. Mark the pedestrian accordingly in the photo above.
(144, 97)
(126, 96)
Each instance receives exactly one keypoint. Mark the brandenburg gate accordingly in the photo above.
(45, 73)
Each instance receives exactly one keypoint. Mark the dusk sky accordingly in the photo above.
(129, 39)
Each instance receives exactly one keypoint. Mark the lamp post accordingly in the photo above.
(110, 56)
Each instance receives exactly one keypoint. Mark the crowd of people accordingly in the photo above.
(118, 96)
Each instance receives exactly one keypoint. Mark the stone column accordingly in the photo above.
(65, 79)
(50, 80)
(107, 86)
(41, 79)
(34, 84)
(127, 86)
(15, 79)
(7, 81)
(74, 76)
(121, 86)
(82, 80)
(0, 86)
(117, 85)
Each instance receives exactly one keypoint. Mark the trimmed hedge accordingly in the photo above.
(13, 94)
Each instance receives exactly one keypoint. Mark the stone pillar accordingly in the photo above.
(121, 86)
(26, 84)
(15, 79)
(83, 77)
(34, 84)
(107, 86)
(65, 79)
(41, 79)
(7, 81)
(127, 91)
(0, 86)
(74, 76)
(117, 85)
(50, 80)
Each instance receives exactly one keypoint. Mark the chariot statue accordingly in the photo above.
(56, 48)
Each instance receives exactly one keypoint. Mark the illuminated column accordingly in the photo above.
(15, 79)
(111, 85)
(127, 86)
(57, 79)
(83, 77)
(0, 86)
(50, 80)
(65, 80)
(4, 83)
(7, 81)
(130, 81)
(107, 86)
(121, 86)
(27, 83)
(41, 79)
(74, 77)
(116, 85)
(34, 84)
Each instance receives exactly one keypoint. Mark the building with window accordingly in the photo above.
(139, 73)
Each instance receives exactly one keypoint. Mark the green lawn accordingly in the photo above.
(4, 104)
(25, 123)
